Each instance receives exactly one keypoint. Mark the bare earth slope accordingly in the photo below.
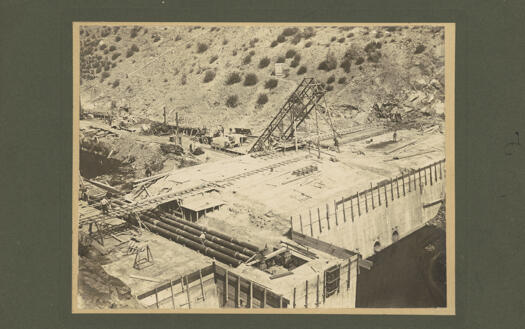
(186, 68)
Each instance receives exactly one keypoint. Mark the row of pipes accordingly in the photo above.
(214, 244)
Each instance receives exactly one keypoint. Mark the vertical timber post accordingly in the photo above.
(386, 197)
(335, 213)
(202, 285)
(251, 294)
(319, 220)
(294, 296)
(372, 195)
(327, 217)
(352, 209)
(392, 188)
(344, 211)
(188, 292)
(263, 304)
(358, 204)
(311, 224)
(420, 181)
(317, 292)
(172, 295)
(431, 180)
(306, 295)
(238, 292)
(366, 202)
(301, 223)
(226, 288)
(403, 181)
(379, 194)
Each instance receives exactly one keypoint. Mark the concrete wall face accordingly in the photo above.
(311, 293)
(358, 222)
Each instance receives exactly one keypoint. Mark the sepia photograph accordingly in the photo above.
(263, 168)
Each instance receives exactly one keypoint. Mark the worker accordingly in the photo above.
(336, 144)
(148, 172)
(202, 237)
(105, 205)
(83, 194)
(394, 137)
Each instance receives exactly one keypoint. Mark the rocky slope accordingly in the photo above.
(218, 75)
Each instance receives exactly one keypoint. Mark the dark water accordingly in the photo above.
(409, 273)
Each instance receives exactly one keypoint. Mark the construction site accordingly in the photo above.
(314, 199)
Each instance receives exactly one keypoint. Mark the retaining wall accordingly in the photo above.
(379, 215)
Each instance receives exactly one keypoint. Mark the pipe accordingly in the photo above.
(163, 217)
(194, 245)
(195, 238)
(212, 232)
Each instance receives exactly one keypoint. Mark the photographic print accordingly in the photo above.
(257, 167)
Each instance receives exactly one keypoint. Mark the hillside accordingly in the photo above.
(193, 70)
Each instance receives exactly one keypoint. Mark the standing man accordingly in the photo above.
(394, 137)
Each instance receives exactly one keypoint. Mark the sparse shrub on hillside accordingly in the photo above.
(201, 47)
(308, 32)
(183, 79)
(104, 76)
(419, 49)
(341, 40)
(156, 38)
(115, 83)
(188, 45)
(359, 61)
(302, 70)
(234, 53)
(281, 59)
(232, 101)
(209, 76)
(290, 53)
(213, 58)
(112, 48)
(113, 64)
(345, 64)
(372, 46)
(274, 43)
(247, 60)
(134, 31)
(329, 88)
(296, 39)
(331, 79)
(290, 31)
(178, 37)
(296, 60)
(379, 34)
(115, 56)
(118, 38)
(129, 53)
(103, 46)
(391, 29)
(281, 38)
(135, 48)
(270, 84)
(333, 39)
(252, 52)
(328, 64)
(264, 62)
(341, 80)
(233, 78)
(262, 99)
(253, 42)
(224, 42)
(308, 44)
(250, 79)
(349, 35)
(115, 29)
(374, 56)
(106, 51)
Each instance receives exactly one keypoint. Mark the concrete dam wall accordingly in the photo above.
(379, 216)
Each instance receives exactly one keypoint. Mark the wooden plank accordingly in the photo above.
(358, 204)
(392, 188)
(348, 274)
(263, 304)
(156, 298)
(145, 278)
(397, 186)
(188, 292)
(280, 275)
(403, 181)
(172, 295)
(431, 180)
(317, 292)
(202, 286)
(372, 195)
(319, 220)
(352, 209)
(366, 202)
(226, 288)
(306, 295)
(294, 291)
(251, 294)
(238, 292)
(335, 213)
(327, 217)
(344, 212)
(386, 197)
(311, 224)
(378, 195)
(301, 222)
